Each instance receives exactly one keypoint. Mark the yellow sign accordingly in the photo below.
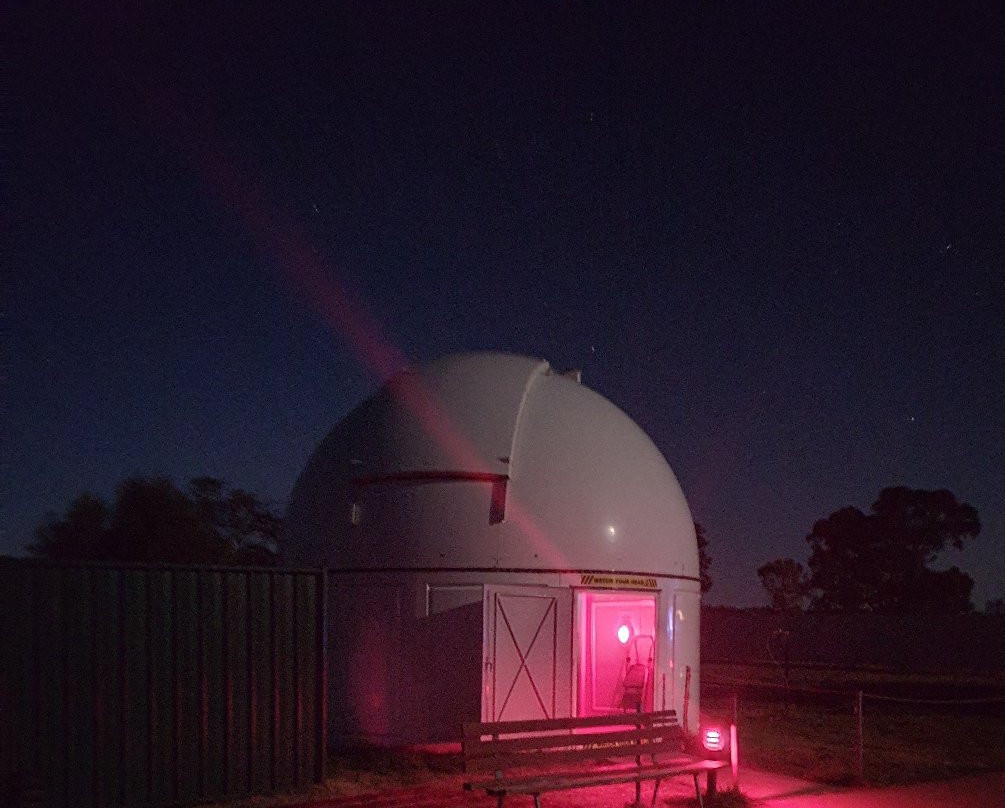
(619, 581)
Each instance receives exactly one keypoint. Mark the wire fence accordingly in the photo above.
(836, 736)
(945, 702)
(740, 686)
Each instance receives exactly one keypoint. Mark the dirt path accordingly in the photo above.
(776, 791)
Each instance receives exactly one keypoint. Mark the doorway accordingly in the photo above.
(616, 650)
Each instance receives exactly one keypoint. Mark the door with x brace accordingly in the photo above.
(528, 653)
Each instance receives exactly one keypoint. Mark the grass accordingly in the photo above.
(813, 745)
(916, 747)
(903, 743)
(363, 771)
(801, 738)
(371, 771)
(729, 798)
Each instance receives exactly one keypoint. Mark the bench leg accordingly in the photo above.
(713, 777)
(537, 801)
(656, 790)
(697, 791)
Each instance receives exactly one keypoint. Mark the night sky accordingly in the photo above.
(772, 233)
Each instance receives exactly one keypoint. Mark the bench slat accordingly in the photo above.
(474, 749)
(551, 757)
(668, 763)
(539, 785)
(588, 751)
(476, 729)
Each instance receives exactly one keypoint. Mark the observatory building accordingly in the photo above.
(501, 543)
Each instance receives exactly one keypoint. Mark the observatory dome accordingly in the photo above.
(489, 461)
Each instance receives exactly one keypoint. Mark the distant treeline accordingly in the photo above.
(928, 642)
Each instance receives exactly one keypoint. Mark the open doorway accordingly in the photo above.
(616, 645)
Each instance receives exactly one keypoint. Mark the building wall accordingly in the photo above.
(408, 651)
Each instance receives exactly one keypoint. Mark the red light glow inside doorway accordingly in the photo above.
(616, 643)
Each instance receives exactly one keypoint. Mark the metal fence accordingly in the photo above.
(843, 735)
(141, 686)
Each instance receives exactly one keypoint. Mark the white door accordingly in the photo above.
(528, 653)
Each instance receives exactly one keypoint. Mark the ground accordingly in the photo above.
(762, 790)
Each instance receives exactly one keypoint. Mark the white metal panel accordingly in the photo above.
(413, 482)
(365, 642)
(458, 413)
(528, 655)
(449, 641)
(446, 597)
(590, 490)
(686, 659)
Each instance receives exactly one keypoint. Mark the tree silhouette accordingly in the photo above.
(152, 520)
(786, 583)
(704, 560)
(879, 561)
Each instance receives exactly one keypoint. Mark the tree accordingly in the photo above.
(81, 533)
(152, 520)
(879, 561)
(786, 583)
(249, 530)
(704, 561)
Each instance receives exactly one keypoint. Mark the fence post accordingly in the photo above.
(687, 694)
(322, 675)
(859, 750)
(734, 753)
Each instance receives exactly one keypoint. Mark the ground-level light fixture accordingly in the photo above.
(713, 739)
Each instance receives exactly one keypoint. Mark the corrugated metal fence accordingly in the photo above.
(129, 686)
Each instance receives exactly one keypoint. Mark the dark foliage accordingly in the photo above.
(786, 583)
(880, 561)
(152, 520)
(704, 560)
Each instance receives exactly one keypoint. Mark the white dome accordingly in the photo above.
(489, 461)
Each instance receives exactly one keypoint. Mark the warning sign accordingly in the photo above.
(618, 581)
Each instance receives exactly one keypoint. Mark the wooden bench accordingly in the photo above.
(534, 757)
